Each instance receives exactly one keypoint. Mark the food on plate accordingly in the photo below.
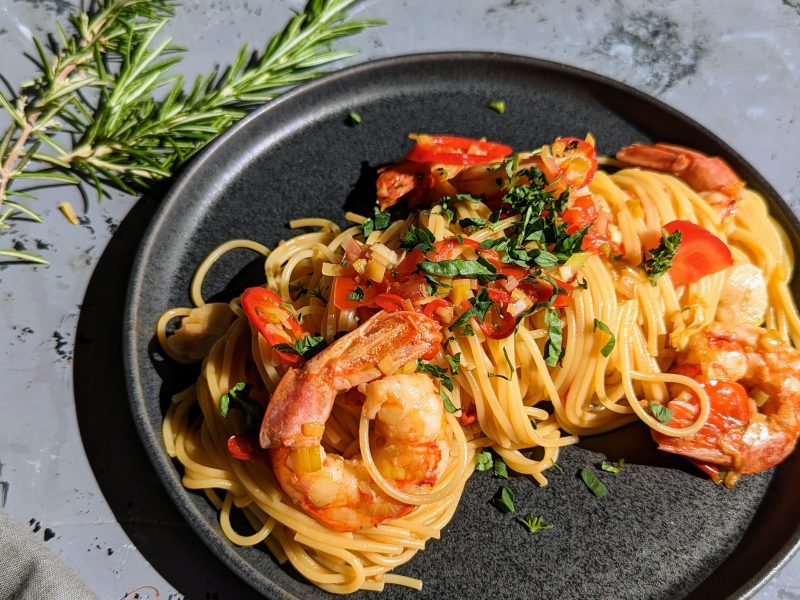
(494, 299)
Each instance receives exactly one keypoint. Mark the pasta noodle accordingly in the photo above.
(508, 393)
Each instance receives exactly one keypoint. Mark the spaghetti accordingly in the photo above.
(570, 332)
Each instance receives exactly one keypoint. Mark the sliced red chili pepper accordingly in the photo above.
(390, 302)
(501, 330)
(267, 314)
(455, 150)
(244, 447)
(431, 307)
(583, 212)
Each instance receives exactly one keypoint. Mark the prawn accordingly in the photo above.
(409, 442)
(752, 378)
(710, 176)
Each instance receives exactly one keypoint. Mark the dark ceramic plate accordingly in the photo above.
(661, 532)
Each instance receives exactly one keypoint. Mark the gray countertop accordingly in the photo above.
(733, 65)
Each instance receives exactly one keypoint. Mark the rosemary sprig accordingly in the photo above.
(91, 115)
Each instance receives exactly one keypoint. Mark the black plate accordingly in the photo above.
(661, 532)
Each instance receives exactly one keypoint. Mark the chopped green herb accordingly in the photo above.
(467, 330)
(490, 374)
(605, 350)
(484, 460)
(583, 284)
(500, 469)
(378, 222)
(498, 106)
(660, 412)
(454, 362)
(417, 237)
(472, 269)
(610, 467)
(354, 119)
(659, 260)
(534, 524)
(239, 397)
(307, 346)
(508, 361)
(558, 468)
(448, 404)
(553, 347)
(504, 499)
(357, 294)
(480, 305)
(593, 483)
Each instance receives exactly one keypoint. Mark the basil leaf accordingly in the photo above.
(239, 397)
(307, 346)
(553, 322)
(417, 237)
(484, 460)
(454, 362)
(660, 412)
(612, 340)
(593, 483)
(460, 268)
(610, 467)
(498, 106)
(500, 469)
(504, 500)
(448, 404)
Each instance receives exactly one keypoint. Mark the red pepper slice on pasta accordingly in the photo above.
(455, 150)
(268, 315)
(244, 447)
(700, 253)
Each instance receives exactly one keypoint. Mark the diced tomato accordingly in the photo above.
(583, 212)
(468, 418)
(700, 253)
(501, 330)
(498, 296)
(344, 286)
(541, 291)
(576, 160)
(267, 313)
(455, 150)
(243, 447)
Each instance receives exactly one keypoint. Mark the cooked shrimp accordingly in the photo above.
(409, 442)
(753, 382)
(743, 298)
(708, 175)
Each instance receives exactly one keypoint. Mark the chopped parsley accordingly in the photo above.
(593, 483)
(659, 259)
(534, 524)
(609, 346)
(660, 412)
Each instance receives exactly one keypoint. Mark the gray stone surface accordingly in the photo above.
(730, 64)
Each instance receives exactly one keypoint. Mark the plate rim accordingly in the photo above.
(164, 466)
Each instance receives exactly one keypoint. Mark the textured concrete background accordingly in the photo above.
(732, 65)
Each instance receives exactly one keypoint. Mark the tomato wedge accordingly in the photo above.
(455, 150)
(268, 314)
(700, 253)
